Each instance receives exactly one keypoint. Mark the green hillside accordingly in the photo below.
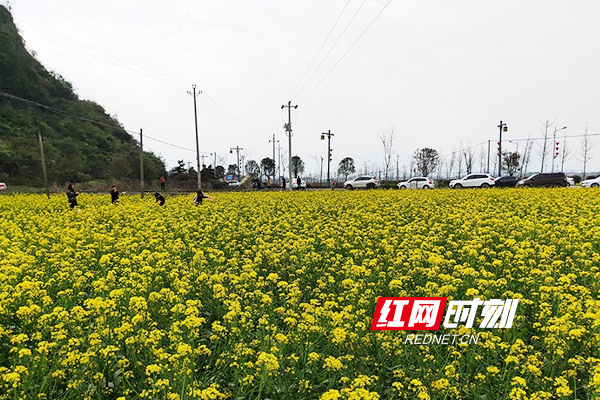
(76, 149)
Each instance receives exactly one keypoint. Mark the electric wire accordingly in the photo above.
(101, 52)
(320, 48)
(331, 49)
(347, 51)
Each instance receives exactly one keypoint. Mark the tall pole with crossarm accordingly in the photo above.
(288, 128)
(194, 94)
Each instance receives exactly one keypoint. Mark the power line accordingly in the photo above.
(132, 76)
(320, 48)
(331, 49)
(234, 118)
(108, 69)
(99, 51)
(347, 51)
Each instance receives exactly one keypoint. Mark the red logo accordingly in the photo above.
(408, 313)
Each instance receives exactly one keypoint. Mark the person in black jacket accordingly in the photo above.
(199, 196)
(114, 194)
(159, 199)
(72, 195)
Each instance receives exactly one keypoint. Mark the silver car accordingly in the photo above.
(419, 182)
(362, 182)
(594, 183)
(473, 180)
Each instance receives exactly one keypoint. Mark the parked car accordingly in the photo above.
(473, 180)
(506, 181)
(587, 183)
(362, 182)
(545, 179)
(232, 183)
(419, 182)
(295, 184)
(570, 181)
(3, 186)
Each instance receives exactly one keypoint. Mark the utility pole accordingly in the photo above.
(141, 164)
(194, 94)
(488, 160)
(288, 128)
(42, 156)
(273, 141)
(329, 135)
(237, 149)
(504, 128)
(203, 156)
(279, 159)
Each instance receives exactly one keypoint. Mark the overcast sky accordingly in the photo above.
(439, 73)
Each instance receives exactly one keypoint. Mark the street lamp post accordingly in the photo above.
(555, 145)
(329, 135)
(504, 128)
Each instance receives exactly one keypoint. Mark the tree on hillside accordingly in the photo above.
(346, 167)
(297, 166)
(426, 160)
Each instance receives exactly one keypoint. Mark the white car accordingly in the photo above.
(362, 182)
(295, 184)
(473, 180)
(419, 182)
(2, 186)
(570, 181)
(591, 183)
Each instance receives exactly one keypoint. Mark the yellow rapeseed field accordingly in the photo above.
(272, 294)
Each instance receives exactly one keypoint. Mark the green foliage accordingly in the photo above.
(253, 168)
(76, 149)
(268, 166)
(297, 166)
(346, 167)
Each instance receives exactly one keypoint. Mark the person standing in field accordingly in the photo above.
(159, 199)
(114, 194)
(199, 196)
(72, 195)
(162, 183)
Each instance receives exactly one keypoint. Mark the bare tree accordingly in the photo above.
(482, 159)
(284, 162)
(545, 147)
(587, 144)
(526, 156)
(459, 161)
(387, 140)
(565, 154)
(469, 156)
(319, 161)
(450, 165)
